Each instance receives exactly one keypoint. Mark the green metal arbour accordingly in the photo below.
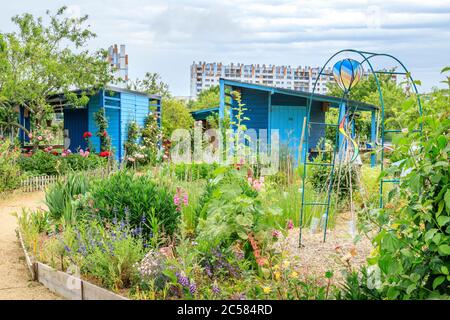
(366, 57)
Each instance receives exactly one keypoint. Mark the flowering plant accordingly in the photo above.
(180, 199)
(87, 135)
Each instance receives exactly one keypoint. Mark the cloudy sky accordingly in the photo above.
(167, 36)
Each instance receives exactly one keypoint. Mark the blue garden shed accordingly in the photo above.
(121, 106)
(283, 109)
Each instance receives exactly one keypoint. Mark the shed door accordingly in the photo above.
(289, 121)
(113, 116)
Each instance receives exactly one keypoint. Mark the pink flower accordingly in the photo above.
(276, 234)
(176, 199)
(63, 154)
(84, 153)
(290, 225)
(39, 138)
(180, 199)
(30, 136)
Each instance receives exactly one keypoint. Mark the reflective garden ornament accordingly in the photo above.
(347, 73)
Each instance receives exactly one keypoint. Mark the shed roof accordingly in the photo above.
(334, 101)
(59, 100)
(204, 113)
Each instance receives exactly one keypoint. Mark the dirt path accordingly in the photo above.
(15, 283)
(337, 253)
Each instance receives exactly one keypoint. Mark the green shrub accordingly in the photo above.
(412, 251)
(151, 136)
(131, 145)
(230, 211)
(10, 175)
(41, 163)
(138, 197)
(44, 163)
(109, 254)
(194, 171)
(76, 162)
(60, 196)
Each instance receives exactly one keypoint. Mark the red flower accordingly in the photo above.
(105, 133)
(55, 153)
(87, 134)
(104, 154)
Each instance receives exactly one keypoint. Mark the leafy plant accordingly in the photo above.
(10, 174)
(102, 124)
(124, 194)
(412, 248)
(151, 138)
(231, 211)
(131, 145)
(59, 196)
(110, 254)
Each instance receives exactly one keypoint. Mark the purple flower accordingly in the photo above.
(192, 288)
(183, 280)
(215, 289)
(126, 210)
(208, 270)
(82, 250)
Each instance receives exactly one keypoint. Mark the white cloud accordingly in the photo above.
(166, 36)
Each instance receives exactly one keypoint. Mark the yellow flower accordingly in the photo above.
(294, 274)
(277, 275)
(285, 263)
(276, 267)
(267, 290)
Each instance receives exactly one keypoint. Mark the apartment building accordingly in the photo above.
(118, 60)
(205, 75)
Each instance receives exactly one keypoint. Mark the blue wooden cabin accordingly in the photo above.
(284, 109)
(121, 106)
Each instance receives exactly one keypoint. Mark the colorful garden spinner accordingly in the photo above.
(347, 73)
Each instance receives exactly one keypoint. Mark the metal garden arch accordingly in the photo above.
(366, 59)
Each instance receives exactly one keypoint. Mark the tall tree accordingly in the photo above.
(42, 59)
(209, 98)
(175, 115)
(152, 84)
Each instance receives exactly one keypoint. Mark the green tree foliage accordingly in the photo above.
(396, 102)
(151, 84)
(209, 98)
(175, 115)
(41, 59)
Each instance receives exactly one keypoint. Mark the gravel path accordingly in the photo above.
(338, 253)
(15, 283)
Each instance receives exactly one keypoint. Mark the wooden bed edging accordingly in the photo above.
(66, 285)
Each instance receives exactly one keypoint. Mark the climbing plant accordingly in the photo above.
(131, 145)
(151, 137)
(102, 124)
